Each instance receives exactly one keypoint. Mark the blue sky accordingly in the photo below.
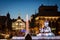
(22, 7)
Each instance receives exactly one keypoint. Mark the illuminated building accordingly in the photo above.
(49, 13)
(18, 24)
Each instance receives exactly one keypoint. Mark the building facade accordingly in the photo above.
(49, 13)
(18, 25)
(5, 23)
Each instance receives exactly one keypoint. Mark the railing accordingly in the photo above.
(37, 37)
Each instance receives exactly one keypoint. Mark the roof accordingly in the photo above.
(45, 10)
(14, 20)
(48, 6)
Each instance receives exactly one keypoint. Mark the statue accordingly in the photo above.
(45, 30)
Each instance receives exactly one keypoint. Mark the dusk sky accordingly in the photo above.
(22, 7)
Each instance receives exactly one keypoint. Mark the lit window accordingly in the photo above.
(13, 26)
(21, 24)
(59, 32)
(53, 28)
(36, 18)
(16, 23)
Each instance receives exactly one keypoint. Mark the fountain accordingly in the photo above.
(46, 30)
(27, 25)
